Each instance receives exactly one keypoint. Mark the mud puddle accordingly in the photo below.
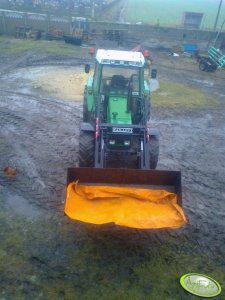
(204, 82)
(17, 204)
(59, 82)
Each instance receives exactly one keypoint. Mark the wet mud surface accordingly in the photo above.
(39, 137)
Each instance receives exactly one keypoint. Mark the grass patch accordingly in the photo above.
(14, 46)
(170, 12)
(17, 46)
(176, 95)
(48, 260)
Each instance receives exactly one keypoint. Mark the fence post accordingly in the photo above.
(48, 22)
(70, 24)
(3, 23)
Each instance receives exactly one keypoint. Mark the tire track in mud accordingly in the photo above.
(186, 71)
(37, 99)
(39, 137)
(193, 145)
(42, 152)
(17, 61)
(41, 143)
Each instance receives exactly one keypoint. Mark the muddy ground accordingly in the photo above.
(46, 256)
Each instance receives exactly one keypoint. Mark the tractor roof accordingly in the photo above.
(124, 58)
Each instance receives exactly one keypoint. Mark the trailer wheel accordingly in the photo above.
(213, 68)
(86, 149)
(202, 65)
(154, 151)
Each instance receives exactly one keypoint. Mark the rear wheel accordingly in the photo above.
(154, 151)
(85, 112)
(86, 149)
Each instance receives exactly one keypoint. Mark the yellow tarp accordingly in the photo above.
(125, 206)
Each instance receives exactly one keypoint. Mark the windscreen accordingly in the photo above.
(119, 77)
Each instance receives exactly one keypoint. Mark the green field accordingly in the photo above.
(170, 12)
(51, 260)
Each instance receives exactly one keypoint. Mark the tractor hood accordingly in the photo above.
(117, 110)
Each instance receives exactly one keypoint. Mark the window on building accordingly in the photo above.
(192, 20)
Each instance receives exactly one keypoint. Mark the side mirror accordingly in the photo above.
(153, 73)
(87, 68)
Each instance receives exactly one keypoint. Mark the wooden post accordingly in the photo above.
(48, 22)
(25, 25)
(3, 23)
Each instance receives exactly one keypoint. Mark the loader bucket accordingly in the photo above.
(141, 199)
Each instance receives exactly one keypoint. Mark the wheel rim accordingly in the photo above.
(202, 66)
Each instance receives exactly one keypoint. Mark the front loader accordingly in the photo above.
(117, 150)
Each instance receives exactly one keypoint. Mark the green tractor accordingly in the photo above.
(116, 127)
(118, 149)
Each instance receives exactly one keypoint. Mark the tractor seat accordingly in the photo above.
(118, 82)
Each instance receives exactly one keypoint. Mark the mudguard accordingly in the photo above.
(86, 126)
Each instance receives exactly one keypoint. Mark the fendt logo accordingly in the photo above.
(122, 130)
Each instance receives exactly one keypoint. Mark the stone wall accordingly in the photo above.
(157, 36)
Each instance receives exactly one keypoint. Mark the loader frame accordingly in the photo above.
(102, 130)
(169, 180)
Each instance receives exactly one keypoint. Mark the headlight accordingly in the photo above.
(112, 142)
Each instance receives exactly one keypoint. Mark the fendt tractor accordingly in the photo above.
(117, 110)
(117, 150)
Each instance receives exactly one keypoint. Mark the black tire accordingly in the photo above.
(86, 149)
(202, 65)
(154, 73)
(154, 151)
(85, 112)
(213, 68)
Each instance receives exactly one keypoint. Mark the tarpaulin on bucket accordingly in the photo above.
(125, 206)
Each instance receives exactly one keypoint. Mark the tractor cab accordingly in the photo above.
(117, 107)
(119, 77)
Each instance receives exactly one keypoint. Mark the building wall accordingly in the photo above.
(154, 35)
(170, 12)
(160, 36)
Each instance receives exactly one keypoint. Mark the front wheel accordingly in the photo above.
(86, 149)
(154, 151)
(86, 114)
